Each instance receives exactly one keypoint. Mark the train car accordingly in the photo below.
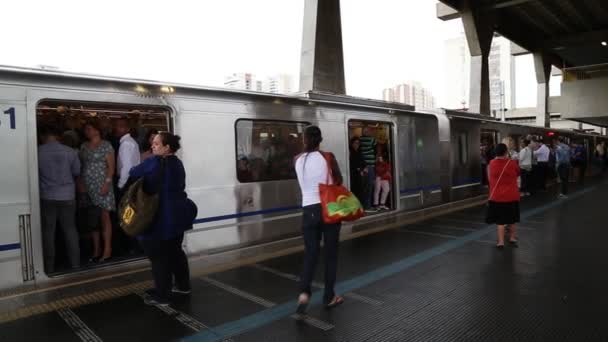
(238, 149)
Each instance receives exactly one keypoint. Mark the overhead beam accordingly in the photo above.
(446, 12)
(582, 38)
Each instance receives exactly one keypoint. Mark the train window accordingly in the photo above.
(265, 149)
(463, 148)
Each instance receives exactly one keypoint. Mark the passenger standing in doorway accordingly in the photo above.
(312, 170)
(147, 144)
(383, 183)
(162, 241)
(128, 154)
(525, 163)
(358, 168)
(562, 161)
(98, 166)
(368, 150)
(542, 161)
(600, 153)
(58, 166)
(503, 203)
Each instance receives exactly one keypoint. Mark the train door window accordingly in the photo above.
(463, 148)
(64, 122)
(265, 149)
(371, 164)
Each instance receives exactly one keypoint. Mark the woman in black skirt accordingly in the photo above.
(503, 203)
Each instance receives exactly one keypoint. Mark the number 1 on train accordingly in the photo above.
(11, 113)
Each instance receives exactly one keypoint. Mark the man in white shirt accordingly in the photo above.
(542, 157)
(525, 164)
(128, 153)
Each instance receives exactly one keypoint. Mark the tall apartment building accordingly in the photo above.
(458, 72)
(411, 93)
(277, 84)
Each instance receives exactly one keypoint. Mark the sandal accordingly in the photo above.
(303, 301)
(335, 302)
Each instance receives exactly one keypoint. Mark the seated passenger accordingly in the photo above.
(383, 183)
(58, 167)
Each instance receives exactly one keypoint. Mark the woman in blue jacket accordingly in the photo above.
(162, 241)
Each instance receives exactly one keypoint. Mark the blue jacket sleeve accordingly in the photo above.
(147, 168)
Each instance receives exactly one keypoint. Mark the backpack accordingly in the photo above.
(137, 208)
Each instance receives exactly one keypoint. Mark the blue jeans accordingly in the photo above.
(369, 187)
(313, 228)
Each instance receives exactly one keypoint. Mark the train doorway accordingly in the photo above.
(70, 129)
(371, 165)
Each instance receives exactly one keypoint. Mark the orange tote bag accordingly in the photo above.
(337, 203)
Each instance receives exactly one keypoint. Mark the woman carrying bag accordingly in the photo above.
(503, 203)
(312, 170)
(164, 174)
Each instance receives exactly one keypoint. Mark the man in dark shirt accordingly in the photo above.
(58, 167)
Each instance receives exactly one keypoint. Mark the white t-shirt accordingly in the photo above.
(311, 169)
(542, 154)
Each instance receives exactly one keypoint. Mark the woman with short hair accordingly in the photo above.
(503, 202)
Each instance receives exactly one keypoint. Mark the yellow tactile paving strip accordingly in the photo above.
(121, 291)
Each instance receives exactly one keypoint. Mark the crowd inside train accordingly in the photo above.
(83, 173)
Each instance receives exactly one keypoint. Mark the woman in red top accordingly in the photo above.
(503, 203)
(383, 183)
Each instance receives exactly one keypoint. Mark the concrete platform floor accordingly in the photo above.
(437, 280)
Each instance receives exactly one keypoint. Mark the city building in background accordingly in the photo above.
(410, 93)
(277, 84)
(457, 74)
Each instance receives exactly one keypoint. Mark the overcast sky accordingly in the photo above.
(386, 42)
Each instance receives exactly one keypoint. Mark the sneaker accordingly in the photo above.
(155, 301)
(383, 207)
(563, 196)
(371, 210)
(181, 292)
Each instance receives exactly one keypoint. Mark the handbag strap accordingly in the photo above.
(499, 178)
(327, 157)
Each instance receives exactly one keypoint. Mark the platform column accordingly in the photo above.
(478, 28)
(542, 68)
(322, 57)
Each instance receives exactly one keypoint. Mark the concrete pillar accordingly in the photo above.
(479, 30)
(322, 58)
(542, 68)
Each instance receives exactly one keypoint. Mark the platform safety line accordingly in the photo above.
(256, 320)
(73, 302)
(294, 277)
(78, 326)
(317, 323)
(446, 236)
(181, 317)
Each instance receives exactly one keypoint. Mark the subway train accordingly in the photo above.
(238, 149)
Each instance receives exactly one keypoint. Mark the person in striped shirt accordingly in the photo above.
(368, 151)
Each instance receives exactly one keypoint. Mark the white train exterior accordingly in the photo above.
(435, 155)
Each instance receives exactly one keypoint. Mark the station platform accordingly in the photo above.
(439, 279)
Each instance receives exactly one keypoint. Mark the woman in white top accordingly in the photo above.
(312, 169)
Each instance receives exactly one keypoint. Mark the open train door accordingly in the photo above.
(16, 262)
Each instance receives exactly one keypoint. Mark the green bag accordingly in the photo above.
(137, 208)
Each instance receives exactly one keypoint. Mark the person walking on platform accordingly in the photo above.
(503, 203)
(525, 163)
(312, 170)
(562, 161)
(541, 153)
(162, 241)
